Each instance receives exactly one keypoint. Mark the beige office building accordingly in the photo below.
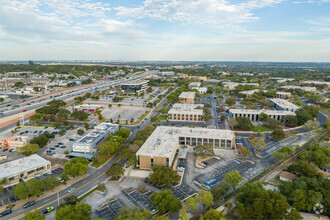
(187, 97)
(186, 112)
(161, 146)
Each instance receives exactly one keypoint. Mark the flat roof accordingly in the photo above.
(235, 83)
(250, 92)
(21, 165)
(185, 95)
(298, 87)
(76, 154)
(186, 108)
(197, 84)
(135, 82)
(258, 111)
(164, 141)
(98, 131)
(284, 103)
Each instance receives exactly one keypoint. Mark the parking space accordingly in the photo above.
(56, 172)
(142, 201)
(111, 210)
(123, 113)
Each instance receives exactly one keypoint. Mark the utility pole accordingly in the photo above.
(58, 199)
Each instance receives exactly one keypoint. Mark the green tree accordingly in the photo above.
(312, 125)
(76, 166)
(163, 176)
(290, 120)
(80, 115)
(263, 116)
(63, 113)
(203, 151)
(35, 186)
(62, 132)
(29, 149)
(71, 200)
(164, 201)
(233, 178)
(278, 134)
(34, 215)
(283, 153)
(86, 126)
(220, 191)
(80, 131)
(230, 101)
(36, 117)
(51, 182)
(183, 214)
(133, 213)
(205, 198)
(19, 84)
(115, 170)
(246, 152)
(232, 122)
(213, 214)
(21, 191)
(79, 211)
(244, 123)
(40, 140)
(154, 119)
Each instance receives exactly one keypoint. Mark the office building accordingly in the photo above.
(249, 93)
(253, 114)
(87, 145)
(304, 88)
(194, 84)
(87, 108)
(186, 112)
(136, 86)
(201, 90)
(316, 83)
(24, 167)
(187, 97)
(282, 95)
(232, 85)
(161, 146)
(283, 105)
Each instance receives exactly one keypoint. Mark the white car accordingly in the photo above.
(49, 172)
(71, 189)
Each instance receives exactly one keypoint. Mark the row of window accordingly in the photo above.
(184, 117)
(205, 141)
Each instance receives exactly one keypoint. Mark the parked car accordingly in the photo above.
(6, 212)
(49, 172)
(5, 149)
(63, 146)
(60, 143)
(28, 204)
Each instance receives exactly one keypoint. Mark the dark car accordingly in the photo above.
(28, 204)
(63, 146)
(60, 143)
(45, 127)
(6, 212)
(52, 148)
(57, 146)
(5, 149)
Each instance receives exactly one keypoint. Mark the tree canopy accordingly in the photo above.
(203, 151)
(115, 170)
(79, 211)
(164, 201)
(29, 149)
(76, 166)
(163, 176)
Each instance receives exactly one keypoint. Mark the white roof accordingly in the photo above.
(195, 84)
(185, 95)
(306, 88)
(250, 92)
(258, 111)
(136, 82)
(200, 88)
(164, 141)
(284, 103)
(21, 165)
(184, 108)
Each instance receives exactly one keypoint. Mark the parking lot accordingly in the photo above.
(111, 210)
(123, 113)
(141, 201)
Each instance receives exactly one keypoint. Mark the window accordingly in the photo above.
(199, 117)
(195, 117)
(152, 161)
(229, 144)
(174, 116)
(223, 143)
(190, 117)
(187, 117)
(169, 116)
(178, 116)
(167, 162)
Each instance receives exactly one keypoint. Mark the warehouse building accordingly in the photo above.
(253, 114)
(283, 105)
(136, 86)
(87, 145)
(187, 97)
(161, 146)
(23, 168)
(186, 112)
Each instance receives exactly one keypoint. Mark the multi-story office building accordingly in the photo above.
(24, 167)
(282, 95)
(162, 144)
(86, 146)
(304, 88)
(186, 112)
(137, 86)
(283, 105)
(194, 84)
(187, 97)
(253, 114)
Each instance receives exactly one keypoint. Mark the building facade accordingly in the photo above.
(186, 112)
(253, 114)
(201, 90)
(161, 146)
(136, 86)
(283, 105)
(194, 84)
(187, 97)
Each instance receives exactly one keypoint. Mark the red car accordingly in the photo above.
(24, 110)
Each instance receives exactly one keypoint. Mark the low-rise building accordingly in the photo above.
(194, 84)
(315, 83)
(249, 93)
(283, 95)
(232, 85)
(161, 146)
(253, 114)
(186, 112)
(24, 167)
(87, 145)
(304, 88)
(136, 86)
(283, 105)
(87, 108)
(287, 176)
(187, 97)
(201, 90)
(15, 141)
(282, 80)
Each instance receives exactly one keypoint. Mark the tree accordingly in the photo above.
(230, 101)
(80, 115)
(62, 132)
(244, 123)
(263, 116)
(222, 117)
(271, 123)
(63, 113)
(154, 119)
(290, 120)
(79, 211)
(51, 182)
(36, 117)
(220, 191)
(86, 126)
(183, 214)
(254, 202)
(76, 166)
(71, 200)
(164, 201)
(246, 152)
(163, 176)
(233, 178)
(205, 198)
(283, 153)
(133, 213)
(312, 125)
(29, 149)
(203, 151)
(35, 186)
(21, 191)
(115, 170)
(80, 132)
(18, 124)
(2, 99)
(232, 122)
(277, 134)
(19, 84)
(207, 117)
(213, 214)
(34, 215)
(40, 140)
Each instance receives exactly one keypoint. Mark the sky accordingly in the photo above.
(168, 30)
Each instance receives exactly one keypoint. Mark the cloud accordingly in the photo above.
(219, 13)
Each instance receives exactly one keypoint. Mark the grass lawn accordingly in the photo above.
(87, 194)
(260, 129)
(162, 117)
(100, 159)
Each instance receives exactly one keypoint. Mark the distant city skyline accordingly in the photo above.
(173, 30)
